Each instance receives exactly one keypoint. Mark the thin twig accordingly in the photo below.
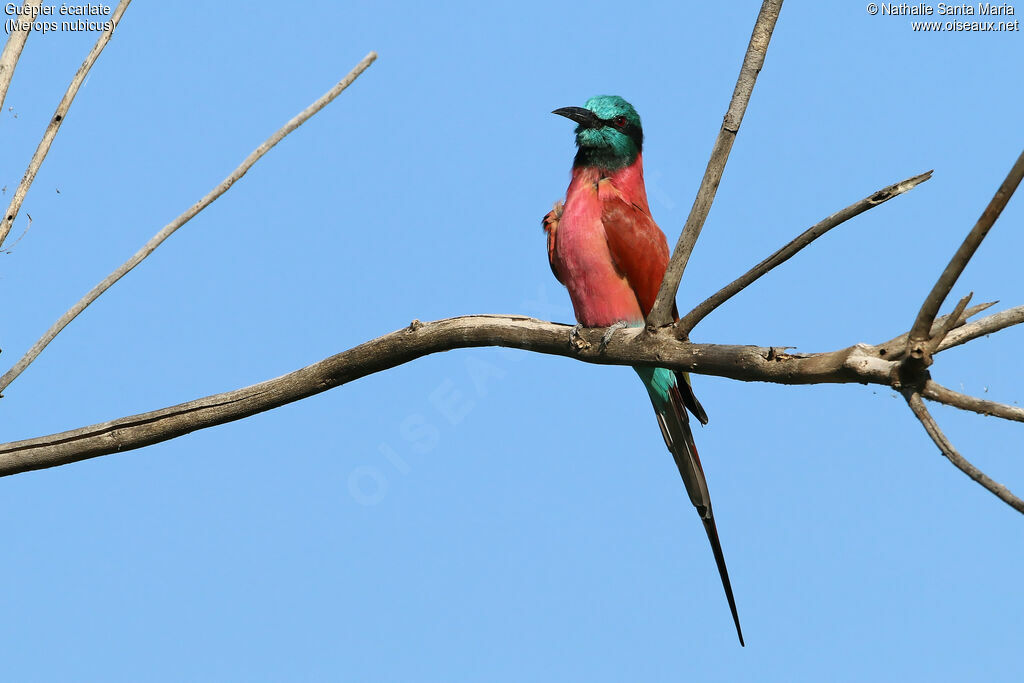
(942, 287)
(169, 229)
(9, 248)
(691, 319)
(661, 312)
(948, 324)
(43, 148)
(930, 426)
(933, 391)
(12, 50)
(979, 328)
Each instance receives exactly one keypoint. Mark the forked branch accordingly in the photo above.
(942, 287)
(897, 346)
(661, 313)
(980, 328)
(928, 336)
(169, 229)
(917, 405)
(690, 320)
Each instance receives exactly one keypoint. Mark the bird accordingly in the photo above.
(605, 247)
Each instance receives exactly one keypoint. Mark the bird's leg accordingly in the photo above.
(607, 336)
(576, 340)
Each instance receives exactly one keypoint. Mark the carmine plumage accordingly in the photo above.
(605, 247)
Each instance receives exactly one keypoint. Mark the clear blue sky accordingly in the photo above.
(543, 533)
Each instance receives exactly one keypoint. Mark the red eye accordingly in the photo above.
(619, 122)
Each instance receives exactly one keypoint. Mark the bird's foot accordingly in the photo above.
(576, 340)
(606, 338)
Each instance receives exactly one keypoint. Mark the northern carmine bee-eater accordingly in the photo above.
(606, 249)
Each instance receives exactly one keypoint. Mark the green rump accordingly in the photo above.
(658, 382)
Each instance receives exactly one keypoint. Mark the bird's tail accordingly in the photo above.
(670, 402)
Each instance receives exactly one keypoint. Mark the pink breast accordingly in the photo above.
(600, 294)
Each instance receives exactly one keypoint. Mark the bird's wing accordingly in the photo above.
(550, 224)
(640, 251)
(637, 246)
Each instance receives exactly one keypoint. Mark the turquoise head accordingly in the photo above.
(608, 132)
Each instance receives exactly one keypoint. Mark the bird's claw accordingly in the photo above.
(576, 340)
(606, 338)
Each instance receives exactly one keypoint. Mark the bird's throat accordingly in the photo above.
(609, 158)
(623, 181)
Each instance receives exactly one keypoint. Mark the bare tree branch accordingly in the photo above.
(12, 50)
(934, 391)
(895, 348)
(942, 287)
(859, 363)
(185, 217)
(928, 336)
(979, 328)
(946, 326)
(917, 405)
(661, 313)
(55, 122)
(633, 346)
(884, 364)
(691, 319)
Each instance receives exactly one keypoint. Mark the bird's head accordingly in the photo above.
(608, 134)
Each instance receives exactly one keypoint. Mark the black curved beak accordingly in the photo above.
(584, 117)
